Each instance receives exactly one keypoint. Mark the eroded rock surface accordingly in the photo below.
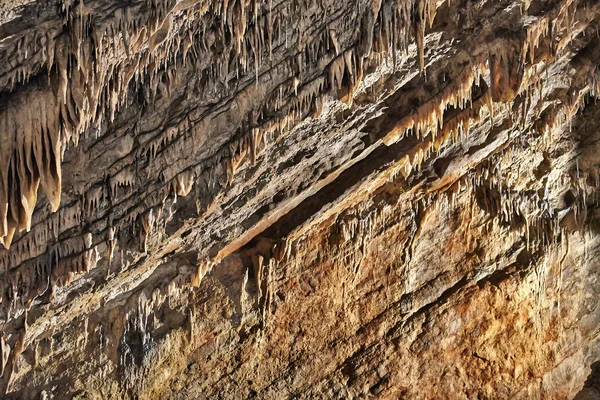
(299, 198)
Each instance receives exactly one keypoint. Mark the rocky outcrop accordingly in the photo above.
(299, 198)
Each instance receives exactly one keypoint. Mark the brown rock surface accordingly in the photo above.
(299, 199)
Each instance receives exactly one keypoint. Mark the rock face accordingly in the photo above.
(299, 198)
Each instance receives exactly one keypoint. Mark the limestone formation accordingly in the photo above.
(299, 199)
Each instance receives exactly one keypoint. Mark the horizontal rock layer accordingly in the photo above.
(299, 198)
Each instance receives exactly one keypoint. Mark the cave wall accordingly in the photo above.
(299, 198)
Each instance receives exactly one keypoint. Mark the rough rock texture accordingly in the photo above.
(299, 198)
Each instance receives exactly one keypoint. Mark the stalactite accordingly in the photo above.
(93, 198)
(184, 182)
(202, 269)
(147, 220)
(123, 179)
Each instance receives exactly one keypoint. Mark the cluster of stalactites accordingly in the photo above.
(18, 287)
(527, 214)
(38, 123)
(38, 157)
(506, 75)
(511, 68)
(31, 149)
(399, 22)
(355, 228)
(429, 118)
(95, 65)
